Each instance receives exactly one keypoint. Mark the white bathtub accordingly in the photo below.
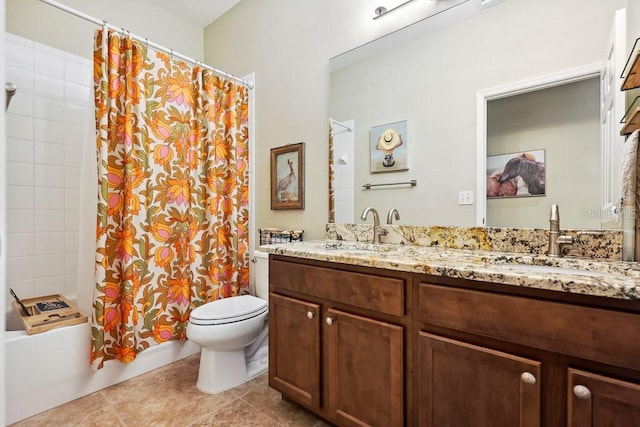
(51, 368)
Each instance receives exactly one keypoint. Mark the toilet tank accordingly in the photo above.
(262, 274)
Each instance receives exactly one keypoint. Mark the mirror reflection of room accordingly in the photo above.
(563, 122)
(432, 81)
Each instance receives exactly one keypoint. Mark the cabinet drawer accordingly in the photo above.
(602, 335)
(381, 294)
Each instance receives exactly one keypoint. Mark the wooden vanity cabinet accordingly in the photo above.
(294, 329)
(364, 370)
(337, 341)
(466, 385)
(492, 358)
(596, 400)
(361, 346)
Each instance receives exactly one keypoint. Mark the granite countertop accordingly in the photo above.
(613, 279)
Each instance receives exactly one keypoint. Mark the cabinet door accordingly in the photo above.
(465, 385)
(294, 349)
(595, 400)
(365, 370)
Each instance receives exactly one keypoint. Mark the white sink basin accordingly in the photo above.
(359, 247)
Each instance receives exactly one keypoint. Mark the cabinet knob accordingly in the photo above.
(329, 321)
(310, 314)
(582, 392)
(528, 377)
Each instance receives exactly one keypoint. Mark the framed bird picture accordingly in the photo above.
(287, 177)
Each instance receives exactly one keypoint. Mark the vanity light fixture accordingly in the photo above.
(381, 11)
(488, 3)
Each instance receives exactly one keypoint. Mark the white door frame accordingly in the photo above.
(612, 107)
(516, 88)
(3, 207)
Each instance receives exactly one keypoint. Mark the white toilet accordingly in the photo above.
(233, 333)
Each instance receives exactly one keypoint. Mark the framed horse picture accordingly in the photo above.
(516, 174)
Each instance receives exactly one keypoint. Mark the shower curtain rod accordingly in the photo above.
(156, 46)
(340, 124)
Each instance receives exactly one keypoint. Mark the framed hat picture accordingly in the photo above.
(389, 147)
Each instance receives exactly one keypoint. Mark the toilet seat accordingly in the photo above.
(228, 310)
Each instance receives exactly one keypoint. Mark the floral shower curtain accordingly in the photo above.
(332, 197)
(172, 225)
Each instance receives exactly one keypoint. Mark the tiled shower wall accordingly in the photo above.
(46, 130)
(343, 180)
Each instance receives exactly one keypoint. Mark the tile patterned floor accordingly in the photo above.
(168, 397)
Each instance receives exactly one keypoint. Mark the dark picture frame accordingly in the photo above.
(287, 177)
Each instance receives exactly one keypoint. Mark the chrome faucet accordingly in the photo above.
(556, 240)
(393, 212)
(378, 231)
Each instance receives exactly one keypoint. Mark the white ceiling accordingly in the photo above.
(200, 12)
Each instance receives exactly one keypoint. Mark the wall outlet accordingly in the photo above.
(465, 197)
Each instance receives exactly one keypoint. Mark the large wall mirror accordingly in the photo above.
(431, 81)
(549, 130)
(559, 129)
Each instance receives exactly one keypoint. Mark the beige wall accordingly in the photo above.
(565, 122)
(633, 20)
(633, 33)
(288, 44)
(45, 24)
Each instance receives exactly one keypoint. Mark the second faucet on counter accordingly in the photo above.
(556, 240)
(393, 212)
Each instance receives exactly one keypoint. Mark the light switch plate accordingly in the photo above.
(465, 197)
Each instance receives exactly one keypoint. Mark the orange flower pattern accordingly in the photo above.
(172, 224)
(332, 197)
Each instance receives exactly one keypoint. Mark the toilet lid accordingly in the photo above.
(228, 310)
